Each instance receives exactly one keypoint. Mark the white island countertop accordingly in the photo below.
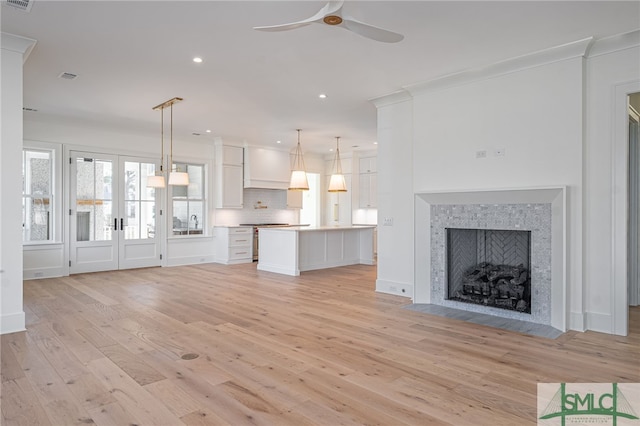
(294, 249)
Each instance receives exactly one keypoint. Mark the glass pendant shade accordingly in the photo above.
(179, 178)
(298, 172)
(156, 181)
(337, 182)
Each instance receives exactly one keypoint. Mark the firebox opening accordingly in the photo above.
(489, 267)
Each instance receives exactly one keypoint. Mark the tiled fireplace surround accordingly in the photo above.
(539, 210)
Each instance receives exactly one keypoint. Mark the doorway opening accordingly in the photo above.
(310, 211)
(633, 250)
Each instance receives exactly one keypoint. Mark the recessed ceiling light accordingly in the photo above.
(197, 60)
(322, 96)
(208, 131)
(375, 143)
(278, 141)
(330, 149)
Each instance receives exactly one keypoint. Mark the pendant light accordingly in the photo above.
(157, 180)
(298, 172)
(176, 177)
(337, 182)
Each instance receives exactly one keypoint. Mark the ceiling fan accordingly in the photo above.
(332, 14)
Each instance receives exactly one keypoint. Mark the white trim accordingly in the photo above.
(18, 44)
(615, 43)
(620, 205)
(598, 322)
(578, 321)
(391, 98)
(542, 57)
(395, 288)
(12, 323)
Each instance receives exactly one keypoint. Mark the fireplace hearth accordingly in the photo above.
(489, 267)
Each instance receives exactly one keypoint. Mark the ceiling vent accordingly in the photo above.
(68, 76)
(24, 5)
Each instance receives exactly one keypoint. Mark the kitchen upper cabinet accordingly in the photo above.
(294, 199)
(368, 190)
(229, 177)
(368, 165)
(266, 168)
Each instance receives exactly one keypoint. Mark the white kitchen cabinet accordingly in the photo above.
(229, 177)
(266, 168)
(294, 199)
(234, 244)
(368, 190)
(368, 165)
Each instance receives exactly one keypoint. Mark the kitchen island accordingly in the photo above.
(294, 249)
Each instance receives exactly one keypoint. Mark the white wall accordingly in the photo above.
(552, 117)
(612, 71)
(395, 197)
(14, 51)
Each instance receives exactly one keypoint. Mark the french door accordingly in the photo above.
(114, 218)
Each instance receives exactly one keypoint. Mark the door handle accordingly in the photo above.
(115, 224)
(121, 224)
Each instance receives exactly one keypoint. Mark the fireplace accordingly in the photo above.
(489, 267)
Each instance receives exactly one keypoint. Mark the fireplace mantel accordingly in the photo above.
(555, 196)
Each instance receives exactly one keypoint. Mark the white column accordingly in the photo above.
(14, 51)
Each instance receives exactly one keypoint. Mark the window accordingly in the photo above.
(37, 195)
(188, 202)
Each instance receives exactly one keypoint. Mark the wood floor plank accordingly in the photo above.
(229, 345)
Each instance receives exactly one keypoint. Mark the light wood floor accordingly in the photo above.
(114, 348)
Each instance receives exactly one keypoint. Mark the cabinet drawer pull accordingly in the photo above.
(241, 241)
(242, 252)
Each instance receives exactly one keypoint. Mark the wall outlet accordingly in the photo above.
(499, 152)
(387, 221)
(38, 274)
(481, 154)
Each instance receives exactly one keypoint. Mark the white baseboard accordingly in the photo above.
(395, 288)
(11, 323)
(278, 269)
(578, 321)
(189, 260)
(600, 322)
(39, 273)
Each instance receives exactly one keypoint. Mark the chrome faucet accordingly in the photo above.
(195, 219)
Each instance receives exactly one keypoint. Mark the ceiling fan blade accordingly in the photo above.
(331, 8)
(369, 31)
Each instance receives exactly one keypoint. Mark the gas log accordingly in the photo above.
(501, 286)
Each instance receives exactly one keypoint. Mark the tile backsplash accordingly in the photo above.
(260, 206)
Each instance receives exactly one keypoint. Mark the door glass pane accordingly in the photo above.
(131, 180)
(84, 220)
(147, 169)
(131, 220)
(147, 219)
(104, 179)
(85, 179)
(103, 220)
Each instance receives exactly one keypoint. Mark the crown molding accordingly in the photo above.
(18, 44)
(391, 98)
(615, 43)
(531, 60)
